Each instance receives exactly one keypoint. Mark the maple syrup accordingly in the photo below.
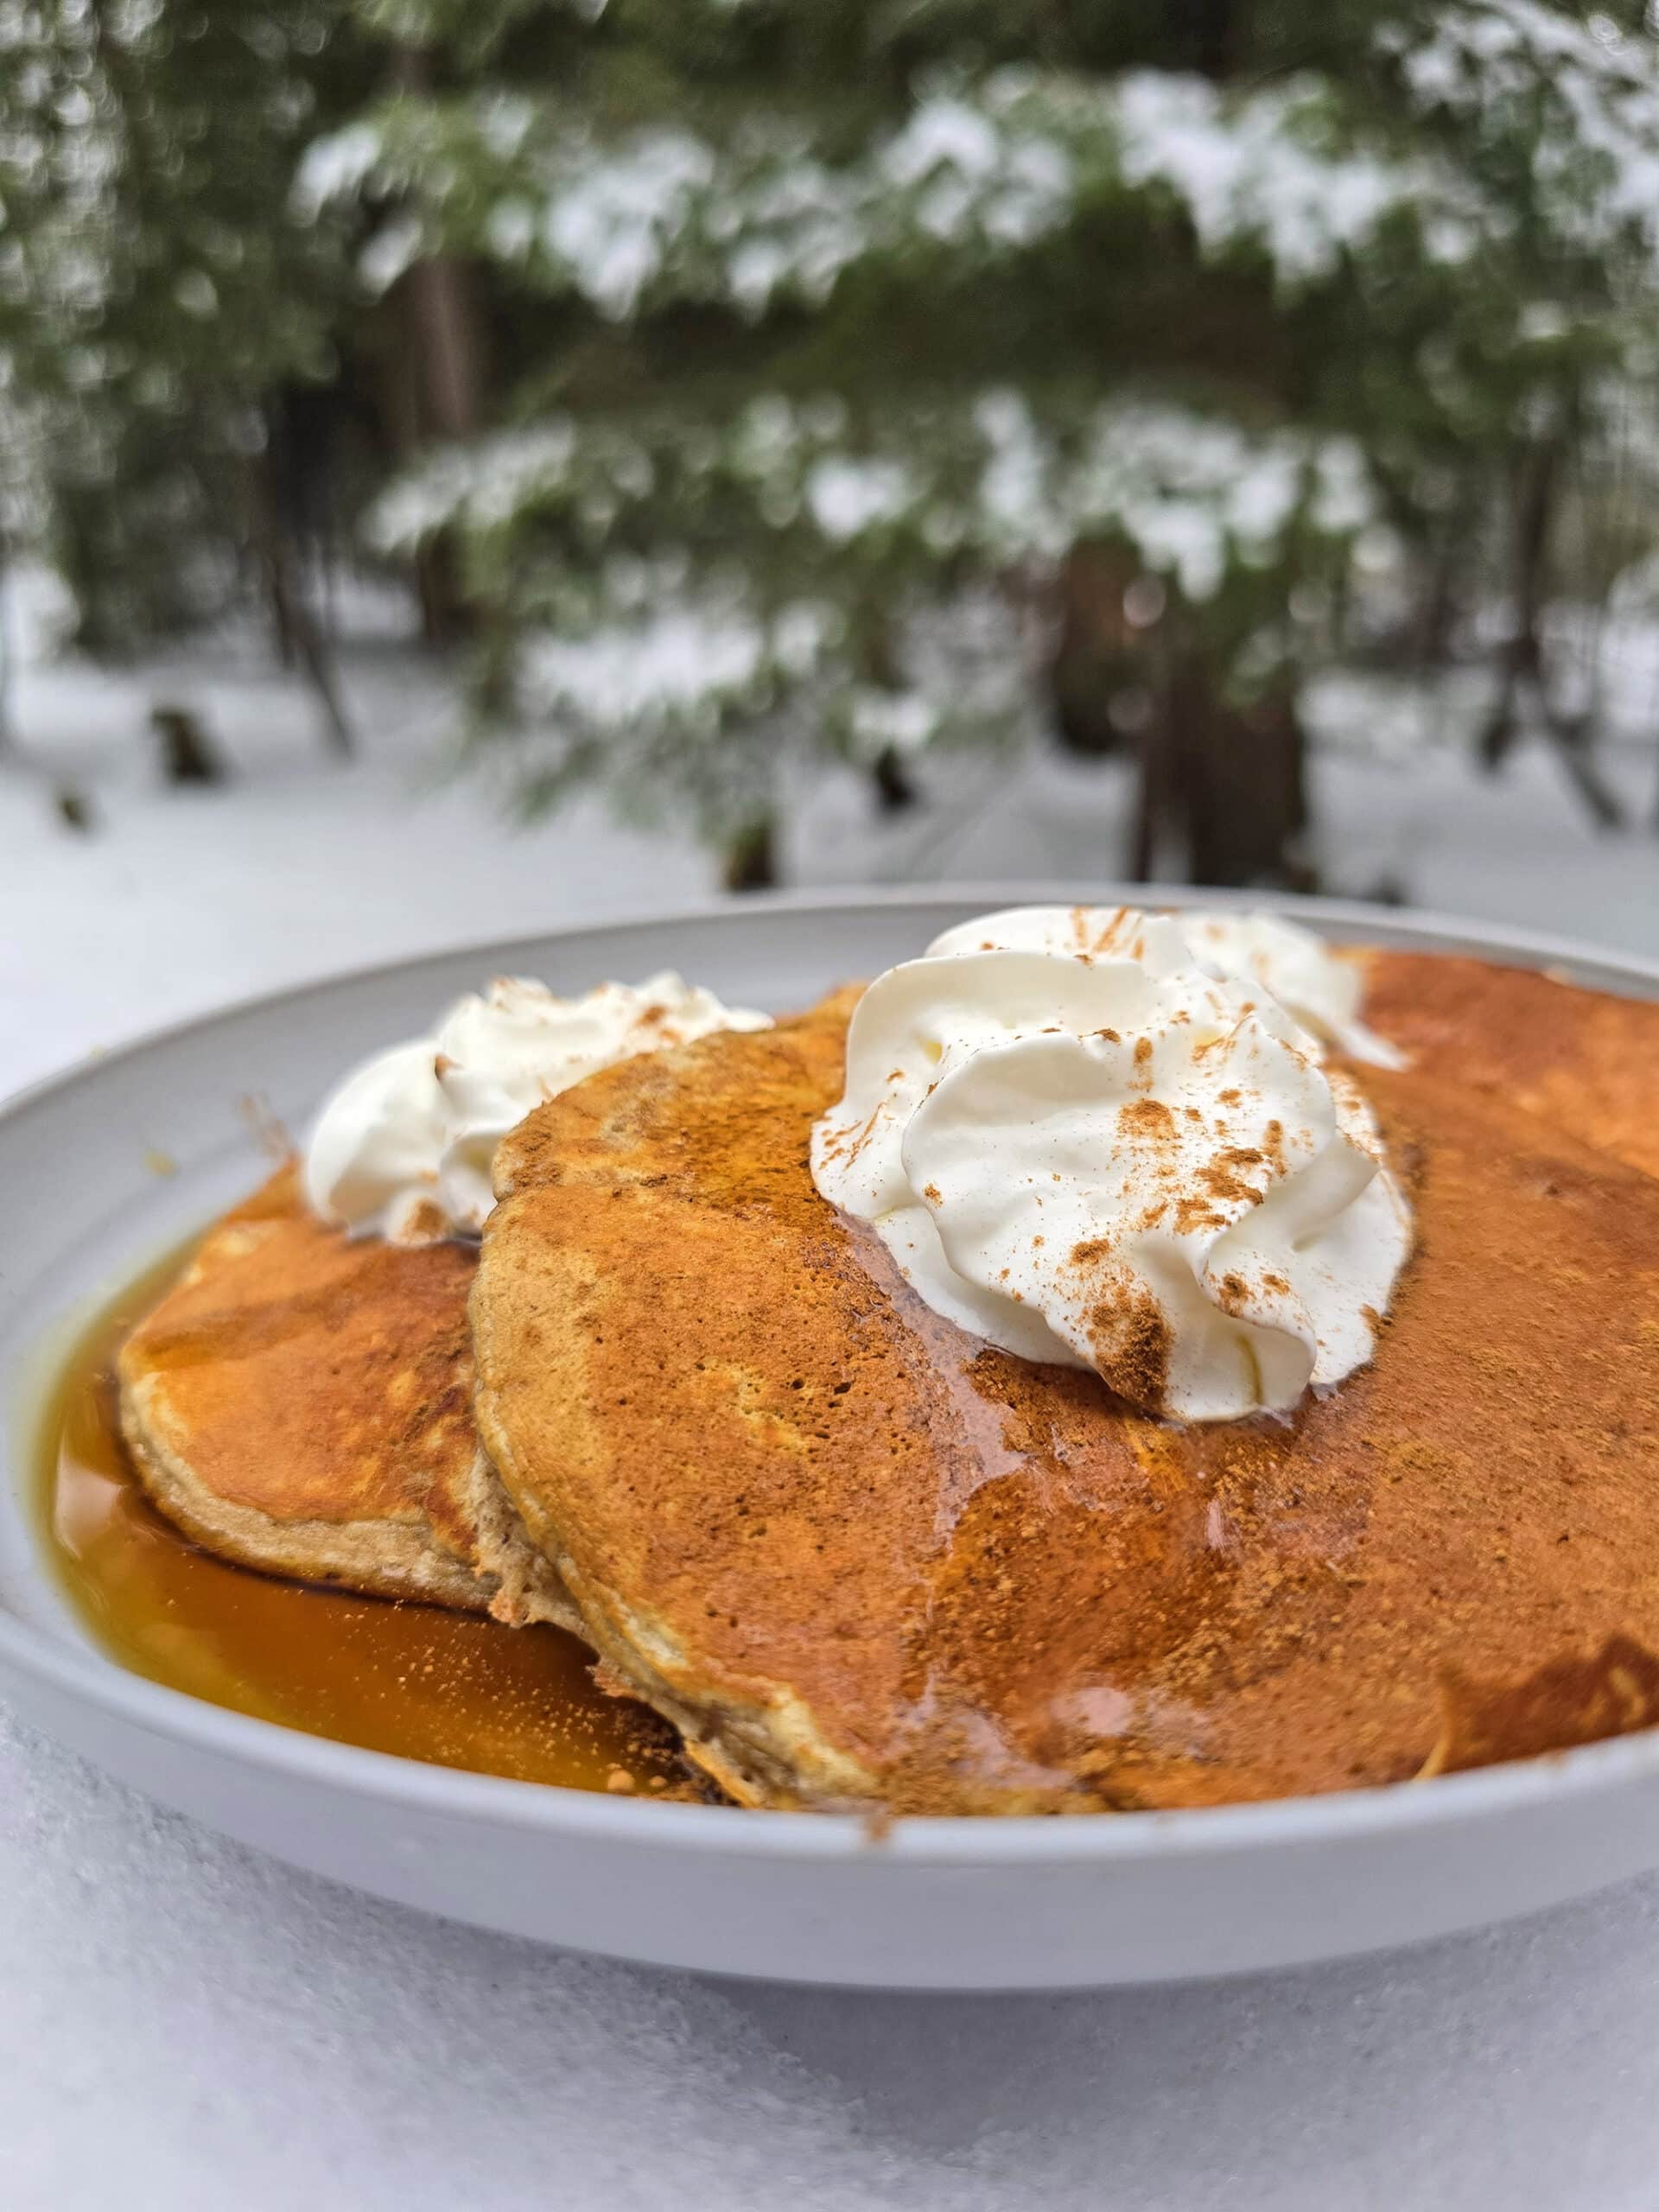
(456, 1689)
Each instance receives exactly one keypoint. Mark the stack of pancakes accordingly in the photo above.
(680, 1404)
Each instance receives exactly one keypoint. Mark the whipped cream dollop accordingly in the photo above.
(1318, 989)
(1089, 1145)
(405, 1148)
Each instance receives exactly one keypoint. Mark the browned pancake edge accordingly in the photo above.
(300, 1403)
(1587, 1061)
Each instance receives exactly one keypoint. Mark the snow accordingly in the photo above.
(1243, 170)
(394, 249)
(977, 168)
(848, 497)
(179, 2011)
(1497, 62)
(1416, 823)
(683, 660)
(336, 167)
(614, 222)
(943, 133)
(901, 722)
(510, 228)
(179, 900)
(975, 173)
(1190, 491)
(625, 645)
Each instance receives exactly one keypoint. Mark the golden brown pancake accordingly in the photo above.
(1585, 1060)
(858, 1556)
(300, 1403)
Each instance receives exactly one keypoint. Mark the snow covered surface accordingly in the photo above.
(183, 2024)
(188, 2027)
(1426, 828)
(178, 900)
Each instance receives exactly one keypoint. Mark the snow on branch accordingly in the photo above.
(679, 668)
(976, 170)
(1265, 169)
(676, 598)
(1580, 97)
(1192, 494)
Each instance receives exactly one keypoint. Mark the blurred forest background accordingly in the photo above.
(733, 390)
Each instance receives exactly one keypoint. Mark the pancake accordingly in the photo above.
(1587, 1061)
(860, 1558)
(301, 1403)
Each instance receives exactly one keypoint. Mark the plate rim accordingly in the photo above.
(84, 1672)
(1535, 948)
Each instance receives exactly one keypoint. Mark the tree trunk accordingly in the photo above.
(441, 368)
(293, 616)
(1152, 794)
(439, 595)
(1523, 668)
(1522, 662)
(1225, 785)
(1442, 608)
(69, 801)
(445, 326)
(1242, 790)
(1573, 738)
(1097, 651)
(751, 862)
(8, 733)
(895, 788)
(187, 753)
(881, 665)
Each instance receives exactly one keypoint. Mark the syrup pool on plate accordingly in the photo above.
(456, 1689)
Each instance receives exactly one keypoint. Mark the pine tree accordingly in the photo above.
(766, 385)
(163, 307)
(857, 372)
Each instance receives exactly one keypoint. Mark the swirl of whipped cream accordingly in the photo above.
(1109, 1157)
(1320, 991)
(405, 1148)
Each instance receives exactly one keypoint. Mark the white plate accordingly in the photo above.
(931, 1904)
